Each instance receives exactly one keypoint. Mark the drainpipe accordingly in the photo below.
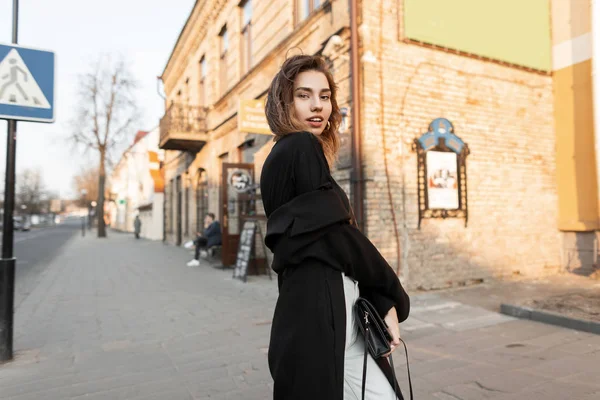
(356, 177)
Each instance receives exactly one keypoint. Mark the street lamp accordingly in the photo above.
(83, 202)
(92, 212)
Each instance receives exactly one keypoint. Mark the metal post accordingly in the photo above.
(7, 263)
(356, 177)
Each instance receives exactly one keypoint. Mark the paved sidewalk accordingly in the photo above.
(491, 295)
(126, 319)
(567, 300)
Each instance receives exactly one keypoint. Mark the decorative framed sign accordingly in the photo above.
(441, 172)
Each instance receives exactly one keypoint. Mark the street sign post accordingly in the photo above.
(26, 94)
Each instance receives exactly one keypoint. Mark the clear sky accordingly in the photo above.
(142, 31)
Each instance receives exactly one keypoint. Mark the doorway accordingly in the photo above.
(236, 204)
(179, 210)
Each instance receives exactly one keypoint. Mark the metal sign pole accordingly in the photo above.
(7, 263)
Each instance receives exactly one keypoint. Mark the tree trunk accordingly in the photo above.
(101, 183)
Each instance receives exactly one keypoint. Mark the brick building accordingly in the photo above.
(526, 198)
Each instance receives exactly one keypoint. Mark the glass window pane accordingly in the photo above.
(203, 67)
(224, 41)
(303, 9)
(247, 13)
(246, 50)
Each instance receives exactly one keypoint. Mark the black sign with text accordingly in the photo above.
(245, 249)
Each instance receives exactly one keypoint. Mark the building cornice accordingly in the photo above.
(194, 31)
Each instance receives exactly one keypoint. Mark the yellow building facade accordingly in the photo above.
(524, 198)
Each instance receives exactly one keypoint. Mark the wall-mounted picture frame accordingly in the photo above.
(441, 172)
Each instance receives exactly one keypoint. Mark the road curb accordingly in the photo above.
(550, 318)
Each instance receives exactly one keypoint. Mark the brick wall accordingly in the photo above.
(505, 116)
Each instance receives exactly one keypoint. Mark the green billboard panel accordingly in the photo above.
(513, 31)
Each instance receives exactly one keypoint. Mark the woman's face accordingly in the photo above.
(312, 101)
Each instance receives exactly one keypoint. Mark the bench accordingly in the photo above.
(214, 252)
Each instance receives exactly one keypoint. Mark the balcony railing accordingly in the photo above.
(183, 127)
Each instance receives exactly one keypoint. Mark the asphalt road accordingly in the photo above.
(34, 250)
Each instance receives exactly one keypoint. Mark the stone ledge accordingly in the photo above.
(550, 318)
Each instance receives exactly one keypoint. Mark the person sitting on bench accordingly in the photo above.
(209, 238)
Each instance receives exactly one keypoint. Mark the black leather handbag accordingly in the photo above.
(377, 340)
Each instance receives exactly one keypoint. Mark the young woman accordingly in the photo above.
(321, 258)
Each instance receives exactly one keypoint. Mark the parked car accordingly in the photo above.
(20, 224)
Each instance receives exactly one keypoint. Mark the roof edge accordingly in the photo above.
(181, 33)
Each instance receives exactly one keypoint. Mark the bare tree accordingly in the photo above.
(106, 111)
(31, 191)
(87, 182)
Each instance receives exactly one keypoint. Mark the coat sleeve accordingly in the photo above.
(291, 179)
(378, 281)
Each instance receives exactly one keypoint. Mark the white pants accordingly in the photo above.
(377, 385)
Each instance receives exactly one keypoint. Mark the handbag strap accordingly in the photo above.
(364, 379)
(395, 380)
(407, 368)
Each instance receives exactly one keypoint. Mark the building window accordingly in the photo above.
(202, 89)
(246, 40)
(223, 64)
(186, 90)
(178, 211)
(171, 204)
(305, 7)
(187, 211)
(201, 201)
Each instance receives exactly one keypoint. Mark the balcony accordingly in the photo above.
(183, 128)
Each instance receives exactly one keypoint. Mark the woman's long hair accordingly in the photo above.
(279, 107)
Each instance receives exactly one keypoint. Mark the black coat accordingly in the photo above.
(313, 238)
(213, 234)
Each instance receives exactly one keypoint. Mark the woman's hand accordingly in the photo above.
(391, 319)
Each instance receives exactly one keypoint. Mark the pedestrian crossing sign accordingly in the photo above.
(26, 84)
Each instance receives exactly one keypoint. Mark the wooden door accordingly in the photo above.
(237, 182)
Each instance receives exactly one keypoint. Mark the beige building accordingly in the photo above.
(500, 185)
(137, 187)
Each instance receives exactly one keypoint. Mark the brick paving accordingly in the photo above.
(126, 319)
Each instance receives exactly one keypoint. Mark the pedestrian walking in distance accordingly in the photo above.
(323, 261)
(137, 226)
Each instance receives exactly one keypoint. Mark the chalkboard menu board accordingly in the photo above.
(245, 249)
